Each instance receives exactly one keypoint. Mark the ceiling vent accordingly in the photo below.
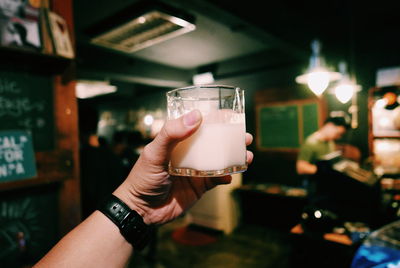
(132, 33)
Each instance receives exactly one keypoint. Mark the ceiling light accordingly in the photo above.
(88, 89)
(346, 87)
(344, 92)
(318, 76)
(203, 79)
(153, 25)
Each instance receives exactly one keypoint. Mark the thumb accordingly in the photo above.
(173, 132)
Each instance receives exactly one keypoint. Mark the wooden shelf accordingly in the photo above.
(32, 61)
(52, 166)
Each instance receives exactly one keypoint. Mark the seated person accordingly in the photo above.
(319, 144)
(329, 189)
(315, 147)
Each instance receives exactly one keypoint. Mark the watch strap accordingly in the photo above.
(129, 222)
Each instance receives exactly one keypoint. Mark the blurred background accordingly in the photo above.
(94, 80)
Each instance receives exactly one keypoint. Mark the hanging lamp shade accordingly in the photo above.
(318, 76)
(346, 87)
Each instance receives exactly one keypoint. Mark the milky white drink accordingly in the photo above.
(217, 147)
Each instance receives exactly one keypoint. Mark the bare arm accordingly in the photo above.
(149, 190)
(96, 242)
(305, 168)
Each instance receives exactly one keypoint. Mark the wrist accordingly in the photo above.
(129, 222)
(125, 195)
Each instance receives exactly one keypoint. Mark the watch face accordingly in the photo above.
(130, 223)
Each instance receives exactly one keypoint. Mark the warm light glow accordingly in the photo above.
(148, 120)
(344, 92)
(318, 79)
(317, 214)
(346, 87)
(203, 79)
(88, 89)
(381, 103)
(385, 146)
(390, 97)
(141, 19)
(384, 122)
(318, 75)
(318, 82)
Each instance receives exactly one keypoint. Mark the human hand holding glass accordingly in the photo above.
(149, 190)
(218, 147)
(155, 194)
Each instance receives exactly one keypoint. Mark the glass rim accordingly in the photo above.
(202, 86)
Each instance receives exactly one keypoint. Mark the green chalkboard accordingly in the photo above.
(26, 103)
(285, 126)
(279, 126)
(28, 225)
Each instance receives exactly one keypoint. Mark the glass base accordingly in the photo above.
(189, 172)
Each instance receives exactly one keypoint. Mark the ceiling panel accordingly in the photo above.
(211, 42)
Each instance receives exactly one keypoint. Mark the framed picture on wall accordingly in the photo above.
(60, 35)
(19, 24)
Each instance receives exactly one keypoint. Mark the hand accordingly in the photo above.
(157, 196)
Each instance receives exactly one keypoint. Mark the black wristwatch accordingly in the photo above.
(129, 222)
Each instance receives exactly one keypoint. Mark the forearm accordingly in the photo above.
(305, 168)
(96, 242)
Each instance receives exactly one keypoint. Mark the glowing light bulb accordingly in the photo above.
(318, 75)
(317, 214)
(142, 20)
(318, 81)
(148, 120)
(344, 92)
(380, 104)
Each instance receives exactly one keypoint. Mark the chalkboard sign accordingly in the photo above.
(286, 125)
(28, 225)
(17, 158)
(26, 103)
(279, 127)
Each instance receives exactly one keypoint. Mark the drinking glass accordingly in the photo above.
(218, 147)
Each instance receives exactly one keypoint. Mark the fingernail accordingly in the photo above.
(192, 118)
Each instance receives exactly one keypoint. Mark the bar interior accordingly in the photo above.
(83, 90)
